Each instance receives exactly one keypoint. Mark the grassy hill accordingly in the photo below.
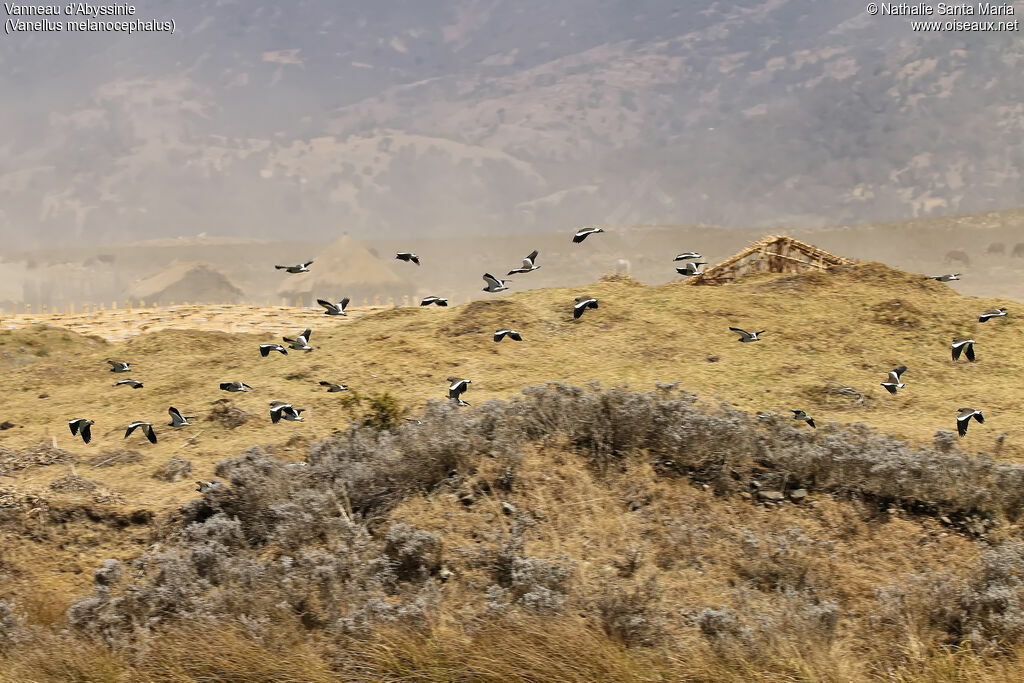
(602, 529)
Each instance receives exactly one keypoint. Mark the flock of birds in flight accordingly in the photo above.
(457, 386)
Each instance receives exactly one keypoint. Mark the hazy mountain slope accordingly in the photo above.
(454, 116)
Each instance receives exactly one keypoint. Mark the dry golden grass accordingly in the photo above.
(846, 328)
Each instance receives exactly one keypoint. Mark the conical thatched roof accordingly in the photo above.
(190, 281)
(772, 254)
(345, 268)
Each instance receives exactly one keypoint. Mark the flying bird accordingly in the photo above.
(301, 342)
(945, 278)
(334, 309)
(147, 429)
(234, 386)
(285, 411)
(457, 386)
(133, 383)
(894, 382)
(494, 284)
(687, 256)
(963, 418)
(177, 420)
(965, 346)
(332, 387)
(267, 348)
(436, 300)
(748, 336)
(994, 313)
(81, 425)
(582, 304)
(692, 268)
(511, 334)
(458, 401)
(528, 264)
(301, 268)
(414, 420)
(118, 366)
(204, 486)
(801, 415)
(583, 233)
(408, 256)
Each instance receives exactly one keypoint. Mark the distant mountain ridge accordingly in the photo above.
(304, 119)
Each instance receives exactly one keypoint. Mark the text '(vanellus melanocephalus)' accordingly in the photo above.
(333, 388)
(964, 346)
(301, 342)
(529, 264)
(408, 257)
(177, 419)
(994, 313)
(963, 418)
(285, 411)
(234, 386)
(436, 300)
(146, 427)
(691, 268)
(584, 233)
(582, 303)
(300, 268)
(494, 284)
(801, 415)
(334, 308)
(748, 336)
(511, 334)
(894, 383)
(119, 366)
(457, 386)
(945, 278)
(81, 425)
(265, 349)
(133, 383)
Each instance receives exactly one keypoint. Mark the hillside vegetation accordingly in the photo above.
(650, 527)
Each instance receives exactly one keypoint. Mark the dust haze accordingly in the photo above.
(182, 167)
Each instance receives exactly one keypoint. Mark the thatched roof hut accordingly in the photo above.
(771, 254)
(189, 281)
(345, 268)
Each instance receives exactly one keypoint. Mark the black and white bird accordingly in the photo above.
(285, 411)
(994, 313)
(204, 486)
(119, 366)
(133, 383)
(945, 278)
(147, 429)
(965, 346)
(511, 334)
(692, 268)
(457, 386)
(687, 256)
(494, 284)
(583, 233)
(748, 336)
(81, 425)
(265, 349)
(301, 268)
(458, 401)
(332, 308)
(963, 418)
(414, 421)
(582, 303)
(528, 264)
(234, 386)
(894, 382)
(436, 300)
(408, 257)
(801, 415)
(301, 342)
(177, 419)
(333, 388)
